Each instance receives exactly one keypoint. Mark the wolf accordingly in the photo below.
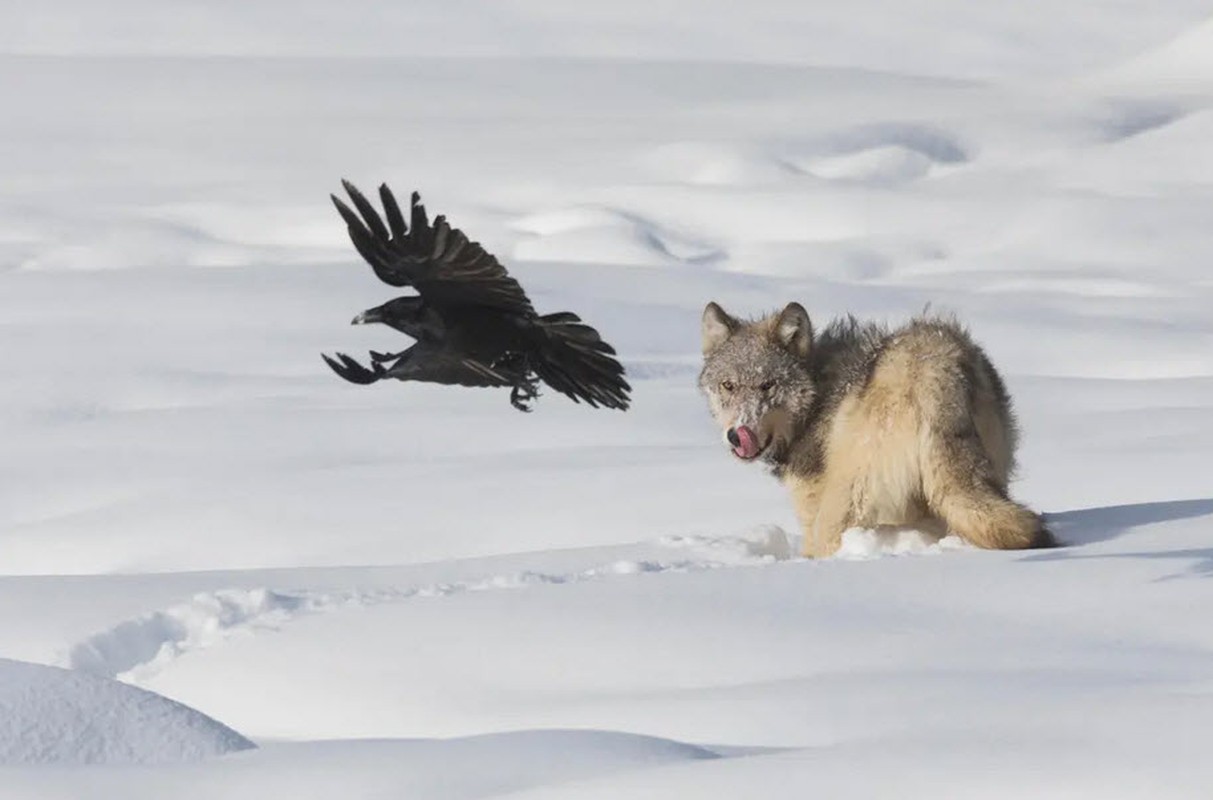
(869, 426)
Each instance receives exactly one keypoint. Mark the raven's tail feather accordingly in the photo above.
(572, 358)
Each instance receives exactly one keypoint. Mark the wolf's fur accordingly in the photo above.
(868, 426)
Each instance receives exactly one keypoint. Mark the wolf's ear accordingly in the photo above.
(717, 327)
(793, 330)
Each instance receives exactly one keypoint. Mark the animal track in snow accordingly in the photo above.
(137, 648)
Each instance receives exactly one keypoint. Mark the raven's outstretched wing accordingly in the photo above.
(440, 262)
(424, 361)
(572, 358)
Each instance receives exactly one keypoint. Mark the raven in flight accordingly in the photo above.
(472, 323)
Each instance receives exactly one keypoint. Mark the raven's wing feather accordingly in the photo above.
(352, 371)
(572, 358)
(426, 362)
(435, 363)
(439, 261)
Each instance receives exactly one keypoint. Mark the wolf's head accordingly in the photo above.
(756, 378)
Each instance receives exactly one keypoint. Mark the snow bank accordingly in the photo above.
(56, 716)
(1183, 64)
(494, 765)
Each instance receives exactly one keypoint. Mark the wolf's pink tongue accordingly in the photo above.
(747, 447)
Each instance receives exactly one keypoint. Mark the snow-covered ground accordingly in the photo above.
(415, 591)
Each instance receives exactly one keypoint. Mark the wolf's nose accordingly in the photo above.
(733, 438)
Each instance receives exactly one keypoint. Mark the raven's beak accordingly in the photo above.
(367, 317)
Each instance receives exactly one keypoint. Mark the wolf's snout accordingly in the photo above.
(744, 442)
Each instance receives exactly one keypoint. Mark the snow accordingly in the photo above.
(504, 764)
(415, 590)
(1183, 64)
(56, 716)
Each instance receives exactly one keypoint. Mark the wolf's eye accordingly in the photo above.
(767, 386)
(726, 385)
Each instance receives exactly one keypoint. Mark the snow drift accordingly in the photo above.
(56, 716)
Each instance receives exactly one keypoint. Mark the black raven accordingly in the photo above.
(473, 324)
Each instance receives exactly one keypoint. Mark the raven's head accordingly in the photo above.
(409, 315)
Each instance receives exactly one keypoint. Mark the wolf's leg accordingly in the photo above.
(835, 513)
(964, 489)
(806, 501)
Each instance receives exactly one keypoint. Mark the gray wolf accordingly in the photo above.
(869, 426)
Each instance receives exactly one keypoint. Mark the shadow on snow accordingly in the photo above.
(1091, 525)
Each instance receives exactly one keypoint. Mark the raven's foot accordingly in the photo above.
(378, 358)
(524, 393)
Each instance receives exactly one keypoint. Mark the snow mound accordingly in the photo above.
(501, 759)
(1183, 64)
(883, 154)
(51, 715)
(605, 236)
(714, 164)
(1125, 119)
(1160, 151)
(888, 164)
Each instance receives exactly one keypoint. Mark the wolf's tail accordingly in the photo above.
(571, 357)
